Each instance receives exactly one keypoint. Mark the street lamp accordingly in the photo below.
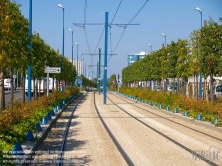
(77, 65)
(165, 37)
(83, 65)
(72, 46)
(199, 10)
(150, 47)
(85, 68)
(59, 5)
(30, 49)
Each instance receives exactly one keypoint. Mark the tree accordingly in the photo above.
(113, 82)
(211, 54)
(13, 42)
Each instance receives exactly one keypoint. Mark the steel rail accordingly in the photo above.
(121, 150)
(63, 146)
(171, 120)
(167, 137)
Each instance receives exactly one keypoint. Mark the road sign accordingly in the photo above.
(80, 81)
(53, 69)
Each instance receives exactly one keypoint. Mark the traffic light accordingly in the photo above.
(118, 78)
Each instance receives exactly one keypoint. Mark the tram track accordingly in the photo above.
(208, 135)
(59, 161)
(130, 140)
(59, 146)
(199, 156)
(54, 143)
(119, 147)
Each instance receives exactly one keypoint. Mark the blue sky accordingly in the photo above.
(175, 18)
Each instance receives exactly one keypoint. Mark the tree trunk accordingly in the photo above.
(34, 88)
(206, 90)
(173, 84)
(203, 89)
(11, 84)
(211, 88)
(196, 86)
(2, 93)
(23, 85)
(163, 87)
(53, 84)
(39, 85)
(178, 85)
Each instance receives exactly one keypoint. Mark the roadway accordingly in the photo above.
(17, 96)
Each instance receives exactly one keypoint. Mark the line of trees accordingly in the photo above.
(15, 54)
(182, 59)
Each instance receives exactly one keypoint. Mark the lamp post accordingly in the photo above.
(85, 68)
(61, 6)
(81, 65)
(72, 46)
(199, 10)
(165, 37)
(30, 48)
(77, 65)
(150, 47)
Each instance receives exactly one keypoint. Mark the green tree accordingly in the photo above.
(113, 82)
(211, 54)
(13, 42)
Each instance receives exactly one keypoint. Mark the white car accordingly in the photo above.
(158, 88)
(170, 88)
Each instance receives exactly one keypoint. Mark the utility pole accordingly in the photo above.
(99, 69)
(97, 81)
(105, 58)
(30, 49)
(106, 47)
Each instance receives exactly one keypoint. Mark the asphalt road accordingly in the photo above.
(17, 95)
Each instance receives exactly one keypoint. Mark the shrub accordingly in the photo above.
(18, 118)
(208, 110)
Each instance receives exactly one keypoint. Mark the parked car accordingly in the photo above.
(217, 92)
(170, 88)
(158, 88)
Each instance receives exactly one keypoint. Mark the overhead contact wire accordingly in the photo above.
(110, 26)
(116, 12)
(130, 22)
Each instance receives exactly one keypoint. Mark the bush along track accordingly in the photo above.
(18, 120)
(197, 109)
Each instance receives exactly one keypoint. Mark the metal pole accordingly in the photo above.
(30, 47)
(47, 84)
(97, 76)
(17, 79)
(99, 69)
(201, 73)
(165, 41)
(83, 65)
(63, 86)
(105, 56)
(85, 69)
(72, 52)
(77, 68)
(72, 47)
